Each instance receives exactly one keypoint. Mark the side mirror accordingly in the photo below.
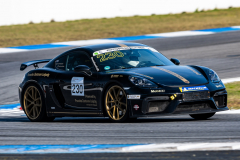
(84, 69)
(175, 61)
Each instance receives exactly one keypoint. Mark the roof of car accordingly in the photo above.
(98, 47)
(92, 48)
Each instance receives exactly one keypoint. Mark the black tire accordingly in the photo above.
(119, 99)
(49, 119)
(34, 104)
(202, 116)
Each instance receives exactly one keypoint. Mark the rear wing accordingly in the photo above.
(34, 63)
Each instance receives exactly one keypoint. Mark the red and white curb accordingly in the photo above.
(15, 112)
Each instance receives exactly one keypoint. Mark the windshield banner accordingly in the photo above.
(122, 48)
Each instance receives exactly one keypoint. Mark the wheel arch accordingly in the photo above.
(111, 83)
(25, 86)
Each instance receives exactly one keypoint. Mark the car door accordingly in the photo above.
(78, 89)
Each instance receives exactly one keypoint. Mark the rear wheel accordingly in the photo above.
(116, 104)
(202, 116)
(33, 104)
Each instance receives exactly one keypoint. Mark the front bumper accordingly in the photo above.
(176, 103)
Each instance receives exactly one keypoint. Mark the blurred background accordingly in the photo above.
(26, 22)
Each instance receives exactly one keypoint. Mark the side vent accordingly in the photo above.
(58, 94)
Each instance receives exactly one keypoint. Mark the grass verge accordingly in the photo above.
(18, 35)
(233, 90)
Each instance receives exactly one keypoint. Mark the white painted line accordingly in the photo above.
(215, 146)
(191, 146)
(88, 42)
(182, 147)
(10, 50)
(148, 147)
(181, 33)
(229, 80)
(164, 147)
(230, 112)
(236, 147)
(235, 27)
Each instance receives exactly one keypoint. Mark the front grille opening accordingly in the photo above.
(157, 106)
(196, 95)
(220, 101)
(193, 107)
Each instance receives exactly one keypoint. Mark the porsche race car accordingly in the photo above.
(120, 81)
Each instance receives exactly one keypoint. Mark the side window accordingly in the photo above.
(78, 58)
(61, 63)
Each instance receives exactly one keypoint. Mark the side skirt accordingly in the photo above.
(71, 113)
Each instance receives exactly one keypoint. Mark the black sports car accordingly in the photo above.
(119, 81)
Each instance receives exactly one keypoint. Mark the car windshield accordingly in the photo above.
(129, 57)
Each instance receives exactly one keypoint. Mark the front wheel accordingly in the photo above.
(202, 116)
(116, 104)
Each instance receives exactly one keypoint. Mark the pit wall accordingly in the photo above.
(14, 12)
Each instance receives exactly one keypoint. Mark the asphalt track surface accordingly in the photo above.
(217, 51)
(180, 129)
(202, 155)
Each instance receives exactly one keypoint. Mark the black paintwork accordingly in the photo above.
(56, 85)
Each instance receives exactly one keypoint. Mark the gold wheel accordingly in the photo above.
(32, 102)
(116, 103)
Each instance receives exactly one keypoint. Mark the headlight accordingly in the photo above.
(142, 82)
(213, 76)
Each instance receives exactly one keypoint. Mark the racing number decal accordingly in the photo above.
(110, 55)
(77, 86)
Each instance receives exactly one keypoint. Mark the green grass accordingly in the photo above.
(18, 35)
(233, 90)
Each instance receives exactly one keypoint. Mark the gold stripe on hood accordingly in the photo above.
(174, 74)
(144, 75)
(193, 70)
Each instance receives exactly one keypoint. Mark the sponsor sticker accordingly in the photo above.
(157, 91)
(134, 96)
(39, 74)
(116, 76)
(77, 86)
(194, 88)
(173, 97)
(136, 107)
(107, 67)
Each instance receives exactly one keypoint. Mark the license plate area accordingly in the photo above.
(192, 96)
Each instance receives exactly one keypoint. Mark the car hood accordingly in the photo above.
(170, 75)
